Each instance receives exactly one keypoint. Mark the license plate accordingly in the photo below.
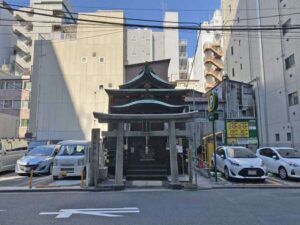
(63, 173)
(252, 172)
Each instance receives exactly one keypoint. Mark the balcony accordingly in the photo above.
(216, 62)
(216, 48)
(217, 75)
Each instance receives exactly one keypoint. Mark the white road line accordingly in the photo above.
(105, 212)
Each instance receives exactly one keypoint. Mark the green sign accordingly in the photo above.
(241, 131)
(212, 102)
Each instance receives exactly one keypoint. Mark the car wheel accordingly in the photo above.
(282, 173)
(226, 173)
(55, 177)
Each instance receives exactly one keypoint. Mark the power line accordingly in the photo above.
(275, 27)
(172, 9)
(110, 17)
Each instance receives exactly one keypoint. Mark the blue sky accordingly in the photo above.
(189, 10)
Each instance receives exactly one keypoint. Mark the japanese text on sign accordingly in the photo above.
(237, 129)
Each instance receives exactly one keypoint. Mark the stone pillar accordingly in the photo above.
(173, 155)
(93, 159)
(119, 155)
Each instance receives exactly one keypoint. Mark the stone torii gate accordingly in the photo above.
(120, 133)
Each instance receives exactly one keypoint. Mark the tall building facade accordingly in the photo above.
(208, 65)
(31, 27)
(70, 77)
(149, 45)
(270, 61)
(14, 103)
(7, 38)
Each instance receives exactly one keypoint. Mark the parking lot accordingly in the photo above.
(10, 179)
(272, 181)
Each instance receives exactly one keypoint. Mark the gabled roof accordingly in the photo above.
(147, 78)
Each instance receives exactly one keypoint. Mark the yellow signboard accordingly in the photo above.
(237, 129)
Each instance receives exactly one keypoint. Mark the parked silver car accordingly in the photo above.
(39, 159)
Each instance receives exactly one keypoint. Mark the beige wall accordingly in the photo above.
(262, 56)
(9, 126)
(66, 91)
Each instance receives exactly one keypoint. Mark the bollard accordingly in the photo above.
(30, 179)
(81, 179)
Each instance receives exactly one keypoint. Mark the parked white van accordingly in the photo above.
(10, 151)
(71, 159)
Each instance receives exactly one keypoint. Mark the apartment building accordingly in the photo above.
(149, 45)
(270, 61)
(7, 37)
(31, 27)
(208, 65)
(14, 105)
(70, 77)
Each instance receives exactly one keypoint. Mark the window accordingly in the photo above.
(7, 104)
(277, 137)
(100, 87)
(240, 42)
(25, 104)
(84, 59)
(110, 85)
(267, 152)
(233, 72)
(27, 85)
(94, 54)
(2, 85)
(58, 13)
(1, 104)
(101, 60)
(10, 85)
(16, 104)
(289, 61)
(241, 66)
(18, 85)
(56, 28)
(232, 50)
(24, 123)
(289, 136)
(286, 26)
(293, 98)
(229, 8)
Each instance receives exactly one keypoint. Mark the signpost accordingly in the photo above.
(212, 107)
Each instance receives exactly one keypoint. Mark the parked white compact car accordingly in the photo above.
(240, 163)
(283, 161)
(71, 159)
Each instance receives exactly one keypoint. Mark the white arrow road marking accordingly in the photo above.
(106, 212)
(2, 210)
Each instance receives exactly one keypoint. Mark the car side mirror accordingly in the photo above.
(223, 156)
(275, 157)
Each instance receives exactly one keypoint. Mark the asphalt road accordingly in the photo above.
(214, 207)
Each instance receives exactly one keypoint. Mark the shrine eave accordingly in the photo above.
(147, 102)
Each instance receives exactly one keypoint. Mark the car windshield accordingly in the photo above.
(41, 151)
(289, 153)
(240, 153)
(72, 150)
